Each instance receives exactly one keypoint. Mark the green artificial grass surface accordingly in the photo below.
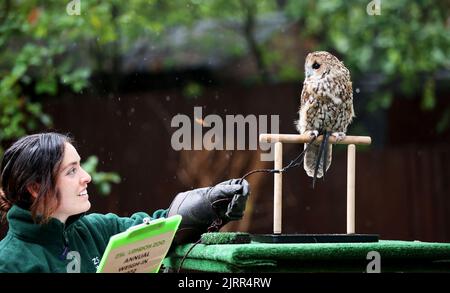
(225, 238)
(315, 257)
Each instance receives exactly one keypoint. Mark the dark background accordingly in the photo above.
(402, 186)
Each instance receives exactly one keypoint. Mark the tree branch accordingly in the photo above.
(6, 10)
(248, 30)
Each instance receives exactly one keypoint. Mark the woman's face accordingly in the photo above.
(71, 183)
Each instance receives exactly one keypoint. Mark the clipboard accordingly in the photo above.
(140, 249)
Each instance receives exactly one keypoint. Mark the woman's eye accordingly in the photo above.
(71, 171)
(316, 65)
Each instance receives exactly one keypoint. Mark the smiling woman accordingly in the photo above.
(29, 172)
(71, 185)
(44, 198)
(56, 172)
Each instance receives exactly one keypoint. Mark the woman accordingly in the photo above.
(44, 197)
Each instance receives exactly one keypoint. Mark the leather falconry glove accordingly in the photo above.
(208, 209)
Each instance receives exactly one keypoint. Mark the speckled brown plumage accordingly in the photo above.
(326, 104)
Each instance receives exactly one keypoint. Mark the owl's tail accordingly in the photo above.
(314, 159)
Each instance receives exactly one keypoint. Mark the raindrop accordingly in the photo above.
(167, 98)
(118, 98)
(357, 90)
(225, 110)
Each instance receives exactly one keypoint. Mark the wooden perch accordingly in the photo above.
(304, 138)
(279, 139)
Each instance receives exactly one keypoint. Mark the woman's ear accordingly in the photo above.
(33, 189)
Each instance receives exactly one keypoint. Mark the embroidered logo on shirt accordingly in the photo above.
(96, 261)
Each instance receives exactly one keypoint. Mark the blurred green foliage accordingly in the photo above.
(102, 180)
(42, 48)
(36, 43)
(406, 45)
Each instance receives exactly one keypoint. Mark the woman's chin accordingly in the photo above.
(88, 206)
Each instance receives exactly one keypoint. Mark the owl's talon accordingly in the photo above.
(313, 133)
(339, 136)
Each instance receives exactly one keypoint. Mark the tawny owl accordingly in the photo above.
(326, 107)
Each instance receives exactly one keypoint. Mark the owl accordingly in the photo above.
(326, 107)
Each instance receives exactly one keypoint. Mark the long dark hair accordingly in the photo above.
(32, 161)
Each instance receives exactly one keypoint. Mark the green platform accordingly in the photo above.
(396, 256)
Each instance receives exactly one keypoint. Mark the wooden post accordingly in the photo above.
(278, 187)
(351, 157)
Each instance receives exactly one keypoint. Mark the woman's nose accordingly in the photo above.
(86, 178)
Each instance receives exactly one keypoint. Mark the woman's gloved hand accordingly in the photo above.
(209, 208)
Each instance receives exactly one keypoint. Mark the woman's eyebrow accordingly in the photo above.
(70, 164)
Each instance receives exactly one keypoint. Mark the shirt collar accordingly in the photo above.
(21, 224)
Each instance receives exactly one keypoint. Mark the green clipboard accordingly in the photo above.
(141, 248)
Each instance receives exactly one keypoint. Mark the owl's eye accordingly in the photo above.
(316, 65)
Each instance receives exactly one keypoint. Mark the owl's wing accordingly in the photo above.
(347, 111)
(301, 122)
(349, 98)
(304, 96)
(347, 93)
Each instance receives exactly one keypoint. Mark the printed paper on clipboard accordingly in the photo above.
(141, 248)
